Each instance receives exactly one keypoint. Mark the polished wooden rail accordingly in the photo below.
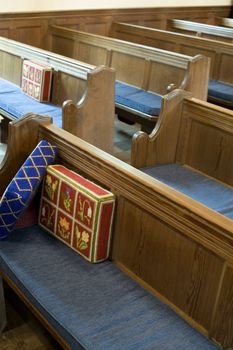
(201, 30)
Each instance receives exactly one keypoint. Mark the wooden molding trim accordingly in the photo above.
(117, 11)
(31, 27)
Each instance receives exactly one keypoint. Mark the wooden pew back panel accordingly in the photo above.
(67, 87)
(129, 69)
(90, 88)
(220, 53)
(206, 141)
(166, 76)
(90, 53)
(144, 67)
(11, 67)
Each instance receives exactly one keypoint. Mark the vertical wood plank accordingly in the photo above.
(222, 329)
(177, 268)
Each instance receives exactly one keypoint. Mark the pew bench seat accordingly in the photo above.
(200, 187)
(14, 104)
(142, 106)
(92, 306)
(138, 99)
(220, 91)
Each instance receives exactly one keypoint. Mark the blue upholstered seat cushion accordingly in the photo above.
(138, 99)
(16, 103)
(220, 90)
(23, 186)
(205, 190)
(93, 306)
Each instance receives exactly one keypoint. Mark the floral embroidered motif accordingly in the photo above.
(82, 239)
(50, 186)
(64, 228)
(67, 201)
(85, 204)
(47, 216)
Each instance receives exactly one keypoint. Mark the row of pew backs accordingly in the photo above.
(138, 65)
(220, 53)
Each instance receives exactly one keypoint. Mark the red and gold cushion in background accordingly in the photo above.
(36, 80)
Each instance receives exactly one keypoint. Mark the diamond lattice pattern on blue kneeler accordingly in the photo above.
(23, 186)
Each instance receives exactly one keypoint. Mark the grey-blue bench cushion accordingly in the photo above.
(138, 99)
(16, 103)
(220, 90)
(205, 190)
(93, 306)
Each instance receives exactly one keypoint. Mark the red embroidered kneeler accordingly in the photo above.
(78, 212)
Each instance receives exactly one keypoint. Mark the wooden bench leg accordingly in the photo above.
(2, 308)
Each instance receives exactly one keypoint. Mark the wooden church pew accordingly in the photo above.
(146, 69)
(221, 55)
(90, 88)
(174, 247)
(200, 138)
(202, 144)
(202, 30)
